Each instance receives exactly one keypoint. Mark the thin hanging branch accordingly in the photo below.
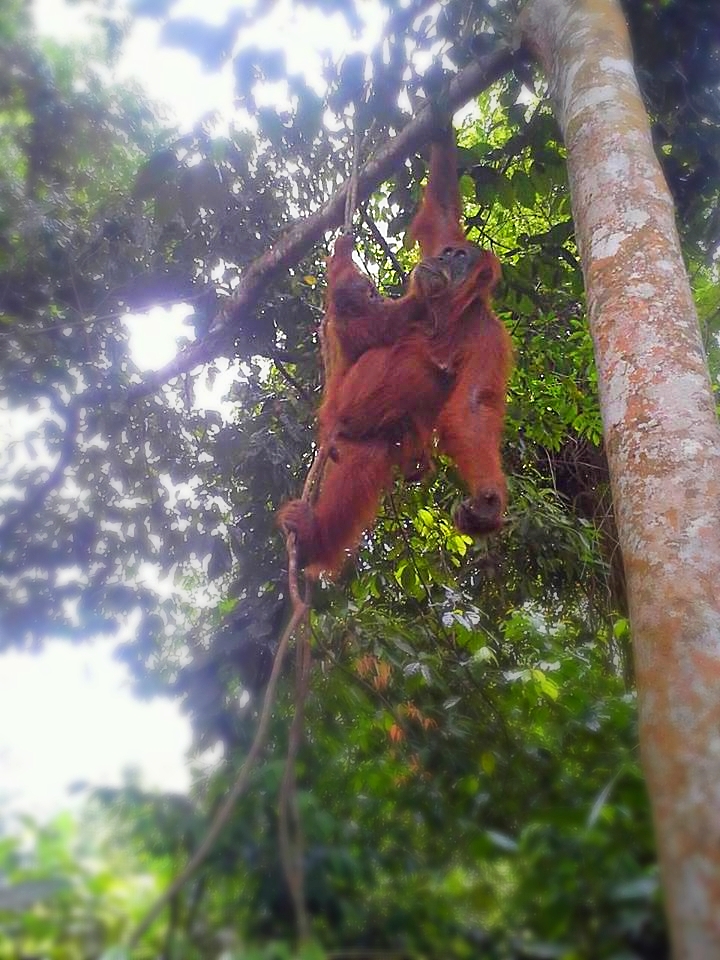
(238, 788)
(352, 187)
(289, 823)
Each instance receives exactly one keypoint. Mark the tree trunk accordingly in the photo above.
(662, 440)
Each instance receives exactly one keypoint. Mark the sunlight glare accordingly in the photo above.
(154, 335)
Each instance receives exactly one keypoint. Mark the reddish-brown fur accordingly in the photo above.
(359, 323)
(437, 359)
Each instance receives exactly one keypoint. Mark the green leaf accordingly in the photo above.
(546, 686)
(488, 763)
(467, 187)
(524, 189)
(621, 628)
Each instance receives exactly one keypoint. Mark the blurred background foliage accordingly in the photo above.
(469, 783)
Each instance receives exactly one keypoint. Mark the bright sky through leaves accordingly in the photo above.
(68, 714)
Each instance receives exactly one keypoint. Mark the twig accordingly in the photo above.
(300, 389)
(382, 243)
(351, 195)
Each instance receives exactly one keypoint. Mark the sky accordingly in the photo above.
(175, 78)
(68, 715)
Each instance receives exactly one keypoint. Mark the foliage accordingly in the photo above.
(64, 893)
(469, 784)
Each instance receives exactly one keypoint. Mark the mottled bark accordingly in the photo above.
(662, 440)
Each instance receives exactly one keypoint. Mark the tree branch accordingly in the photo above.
(299, 239)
